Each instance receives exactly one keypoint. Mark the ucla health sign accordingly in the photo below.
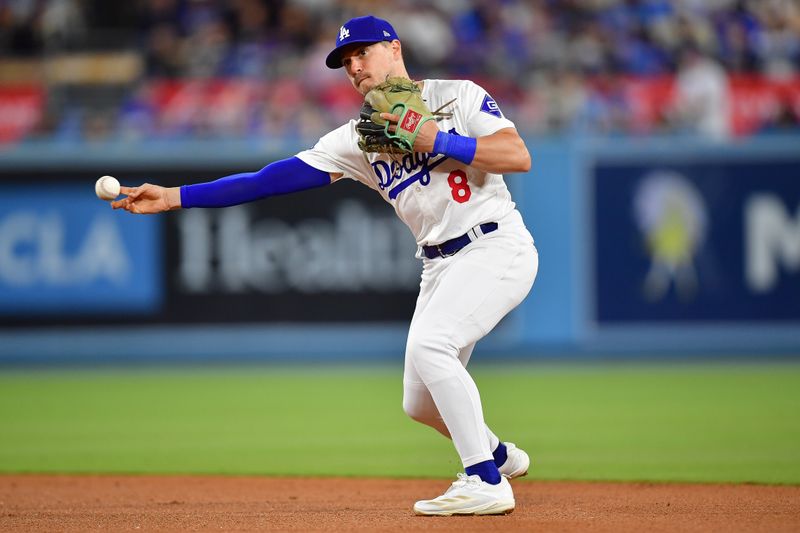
(66, 258)
(64, 251)
(700, 240)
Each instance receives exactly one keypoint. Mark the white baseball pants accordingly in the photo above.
(461, 299)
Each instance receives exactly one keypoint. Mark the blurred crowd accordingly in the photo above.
(255, 68)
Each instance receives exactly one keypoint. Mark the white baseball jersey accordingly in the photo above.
(439, 198)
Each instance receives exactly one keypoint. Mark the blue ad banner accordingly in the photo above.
(698, 241)
(64, 251)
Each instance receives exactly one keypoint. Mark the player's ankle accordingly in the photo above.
(486, 470)
(500, 455)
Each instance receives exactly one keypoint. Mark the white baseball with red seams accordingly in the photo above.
(463, 296)
(107, 188)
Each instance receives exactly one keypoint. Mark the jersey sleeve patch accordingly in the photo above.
(490, 106)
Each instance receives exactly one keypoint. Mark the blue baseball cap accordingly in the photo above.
(367, 29)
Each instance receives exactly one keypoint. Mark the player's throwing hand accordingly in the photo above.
(148, 199)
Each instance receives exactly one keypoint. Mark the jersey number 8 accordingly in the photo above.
(459, 186)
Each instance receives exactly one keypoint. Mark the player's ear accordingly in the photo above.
(397, 49)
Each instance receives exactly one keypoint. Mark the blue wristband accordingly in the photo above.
(456, 146)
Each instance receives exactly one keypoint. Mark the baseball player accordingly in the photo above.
(479, 260)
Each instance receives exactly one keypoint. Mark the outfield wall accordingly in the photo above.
(668, 246)
(646, 246)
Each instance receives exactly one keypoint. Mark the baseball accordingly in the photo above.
(107, 188)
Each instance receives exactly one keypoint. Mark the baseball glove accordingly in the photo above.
(399, 96)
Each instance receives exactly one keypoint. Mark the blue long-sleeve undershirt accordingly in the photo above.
(281, 177)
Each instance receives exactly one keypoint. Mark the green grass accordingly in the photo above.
(731, 423)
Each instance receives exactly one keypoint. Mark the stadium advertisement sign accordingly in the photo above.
(62, 251)
(332, 255)
(21, 108)
(336, 254)
(700, 241)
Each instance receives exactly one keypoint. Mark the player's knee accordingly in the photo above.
(411, 408)
(431, 342)
(432, 353)
(418, 410)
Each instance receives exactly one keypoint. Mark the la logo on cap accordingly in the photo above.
(344, 33)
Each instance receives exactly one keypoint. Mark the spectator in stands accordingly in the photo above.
(63, 25)
(164, 52)
(606, 109)
(701, 104)
(778, 45)
(738, 33)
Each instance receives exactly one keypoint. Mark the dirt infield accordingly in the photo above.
(140, 503)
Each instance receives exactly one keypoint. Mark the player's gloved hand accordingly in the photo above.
(400, 97)
(148, 199)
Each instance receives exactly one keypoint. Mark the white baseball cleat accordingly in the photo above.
(517, 464)
(470, 495)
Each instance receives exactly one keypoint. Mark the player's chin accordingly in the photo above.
(364, 86)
